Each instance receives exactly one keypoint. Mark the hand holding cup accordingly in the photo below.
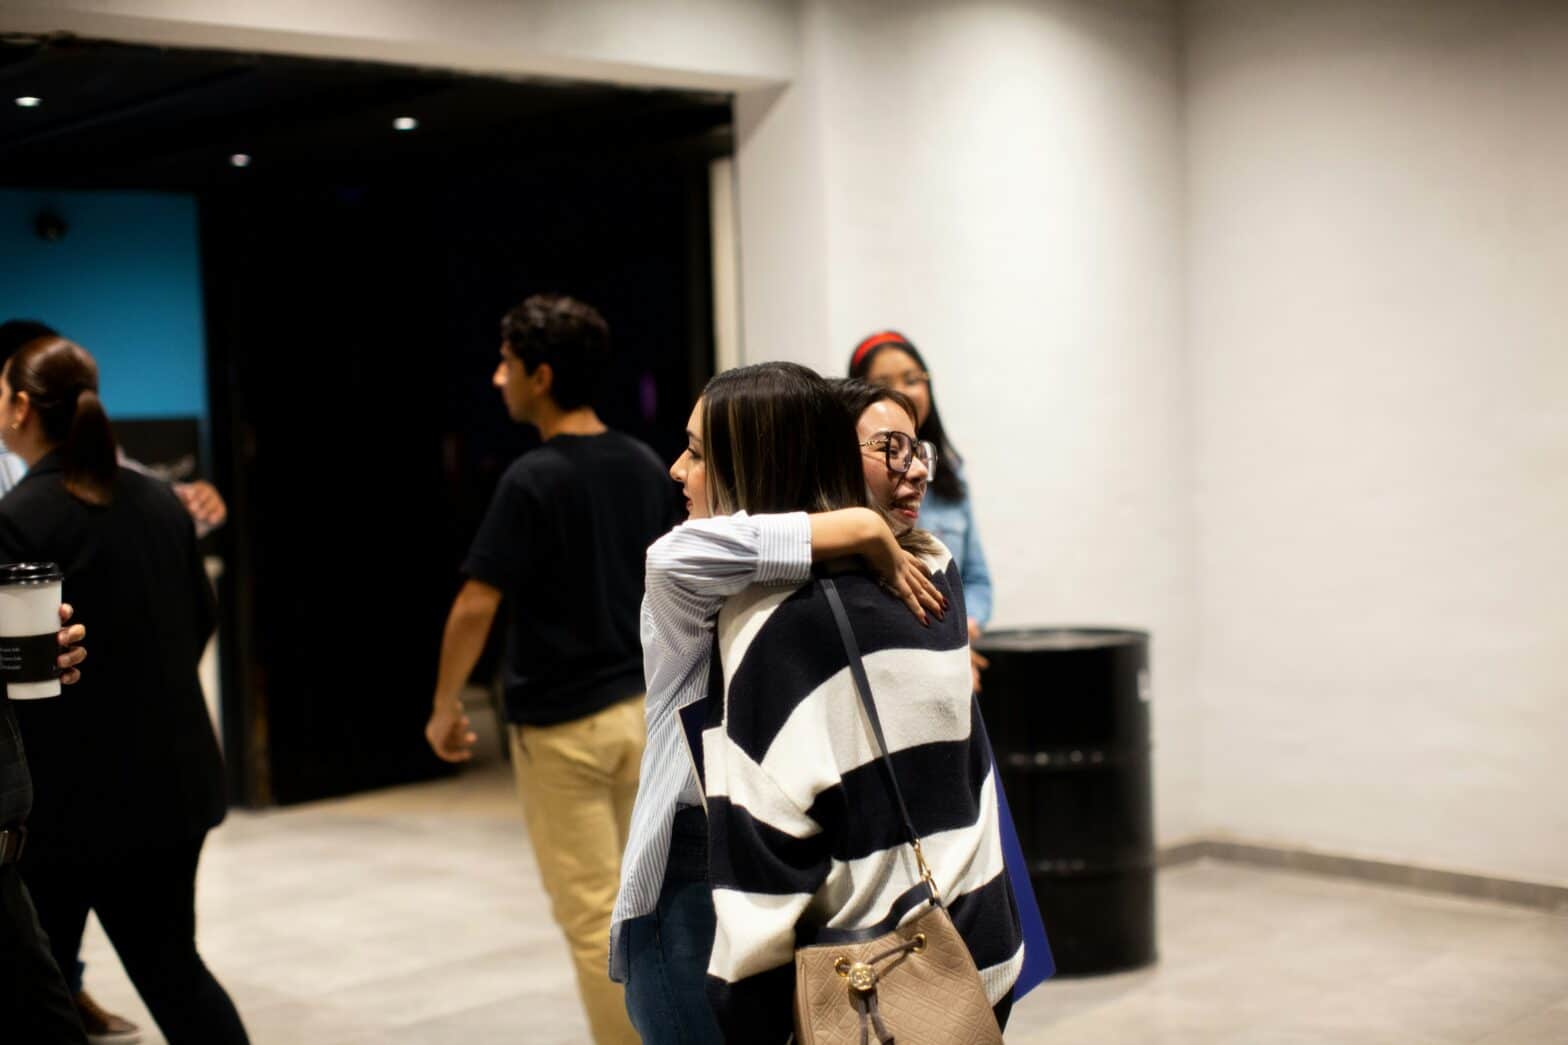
(70, 639)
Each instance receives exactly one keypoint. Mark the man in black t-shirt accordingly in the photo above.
(563, 541)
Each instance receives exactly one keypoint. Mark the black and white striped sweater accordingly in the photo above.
(804, 831)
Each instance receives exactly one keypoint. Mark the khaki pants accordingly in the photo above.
(577, 781)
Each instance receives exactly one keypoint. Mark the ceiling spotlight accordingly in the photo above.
(405, 123)
(239, 159)
(27, 101)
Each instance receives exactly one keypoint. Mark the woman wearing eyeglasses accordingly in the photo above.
(805, 842)
(662, 930)
(889, 359)
(897, 464)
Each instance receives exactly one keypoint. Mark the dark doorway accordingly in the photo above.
(354, 278)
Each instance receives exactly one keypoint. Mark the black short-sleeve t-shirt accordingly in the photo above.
(564, 539)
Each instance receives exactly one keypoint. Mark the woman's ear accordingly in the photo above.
(21, 409)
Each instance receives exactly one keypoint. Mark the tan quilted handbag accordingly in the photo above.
(915, 984)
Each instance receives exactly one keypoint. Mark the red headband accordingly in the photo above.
(885, 337)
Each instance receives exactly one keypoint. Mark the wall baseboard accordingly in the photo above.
(1537, 895)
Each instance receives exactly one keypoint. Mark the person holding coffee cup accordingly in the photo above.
(29, 608)
(127, 775)
(33, 994)
(207, 508)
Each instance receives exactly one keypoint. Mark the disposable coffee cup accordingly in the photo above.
(29, 629)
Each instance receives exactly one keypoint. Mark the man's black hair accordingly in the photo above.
(569, 335)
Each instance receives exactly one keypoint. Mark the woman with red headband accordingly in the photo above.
(890, 359)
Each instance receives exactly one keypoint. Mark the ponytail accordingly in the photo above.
(61, 382)
(91, 457)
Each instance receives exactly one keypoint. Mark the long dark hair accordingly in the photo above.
(777, 439)
(948, 483)
(61, 382)
(858, 396)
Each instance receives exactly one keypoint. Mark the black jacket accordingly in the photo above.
(126, 756)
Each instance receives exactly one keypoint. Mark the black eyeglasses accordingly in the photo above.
(900, 452)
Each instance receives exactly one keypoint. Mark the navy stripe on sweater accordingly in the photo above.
(858, 817)
(815, 653)
(746, 853)
(805, 831)
(862, 816)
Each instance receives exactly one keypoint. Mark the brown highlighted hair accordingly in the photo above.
(61, 383)
(777, 439)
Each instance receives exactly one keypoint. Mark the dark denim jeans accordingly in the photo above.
(667, 952)
(34, 1005)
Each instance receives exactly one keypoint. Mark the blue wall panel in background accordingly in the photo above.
(124, 282)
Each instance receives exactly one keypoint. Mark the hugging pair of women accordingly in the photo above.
(765, 817)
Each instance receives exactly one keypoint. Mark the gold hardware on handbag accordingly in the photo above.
(913, 985)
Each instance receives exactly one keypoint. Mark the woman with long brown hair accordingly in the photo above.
(127, 774)
(804, 843)
(662, 933)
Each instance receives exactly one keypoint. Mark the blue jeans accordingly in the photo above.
(667, 954)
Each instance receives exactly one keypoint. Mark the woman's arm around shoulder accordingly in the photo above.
(720, 556)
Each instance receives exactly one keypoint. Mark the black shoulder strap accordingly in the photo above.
(857, 670)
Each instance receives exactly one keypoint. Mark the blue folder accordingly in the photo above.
(1039, 966)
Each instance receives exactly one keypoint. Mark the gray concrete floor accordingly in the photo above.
(416, 915)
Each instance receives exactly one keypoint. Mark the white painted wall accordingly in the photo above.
(1248, 322)
(1003, 182)
(1379, 250)
(717, 44)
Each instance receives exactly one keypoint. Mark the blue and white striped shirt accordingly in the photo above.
(690, 572)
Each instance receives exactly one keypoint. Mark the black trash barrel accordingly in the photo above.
(1068, 714)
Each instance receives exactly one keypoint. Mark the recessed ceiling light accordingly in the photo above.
(27, 101)
(405, 123)
(240, 159)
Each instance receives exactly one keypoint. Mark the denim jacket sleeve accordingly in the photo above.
(974, 571)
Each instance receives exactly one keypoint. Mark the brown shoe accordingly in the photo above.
(103, 1026)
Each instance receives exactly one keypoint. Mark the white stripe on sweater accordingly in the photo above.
(690, 571)
(764, 936)
(867, 887)
(743, 616)
(746, 785)
(998, 980)
(919, 679)
(757, 930)
(825, 736)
